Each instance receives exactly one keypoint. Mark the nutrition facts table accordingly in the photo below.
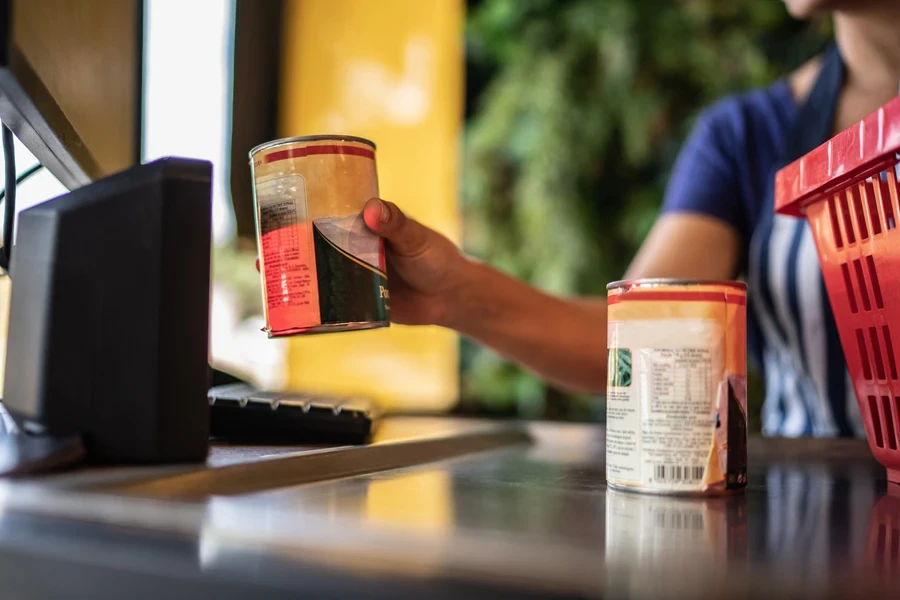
(277, 215)
(682, 381)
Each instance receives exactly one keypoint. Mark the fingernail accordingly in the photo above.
(385, 213)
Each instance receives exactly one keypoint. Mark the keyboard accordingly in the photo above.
(239, 412)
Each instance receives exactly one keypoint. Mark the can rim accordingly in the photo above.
(659, 281)
(311, 138)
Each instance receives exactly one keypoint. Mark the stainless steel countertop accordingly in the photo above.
(444, 508)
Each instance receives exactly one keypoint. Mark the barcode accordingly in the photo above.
(679, 473)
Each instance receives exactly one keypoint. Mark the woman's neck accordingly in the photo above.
(870, 46)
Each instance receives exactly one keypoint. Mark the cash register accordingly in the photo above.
(107, 352)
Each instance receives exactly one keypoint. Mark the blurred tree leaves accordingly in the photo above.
(578, 110)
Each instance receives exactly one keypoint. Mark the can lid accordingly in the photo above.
(660, 281)
(312, 138)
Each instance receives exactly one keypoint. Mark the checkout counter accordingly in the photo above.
(440, 508)
(433, 507)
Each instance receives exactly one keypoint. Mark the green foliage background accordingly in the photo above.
(577, 111)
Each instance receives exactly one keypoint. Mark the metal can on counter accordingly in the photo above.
(676, 402)
(322, 269)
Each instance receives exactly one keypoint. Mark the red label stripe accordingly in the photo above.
(738, 299)
(323, 149)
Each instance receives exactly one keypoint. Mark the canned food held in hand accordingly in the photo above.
(322, 269)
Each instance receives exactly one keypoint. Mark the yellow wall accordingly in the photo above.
(390, 71)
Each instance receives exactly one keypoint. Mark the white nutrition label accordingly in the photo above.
(661, 401)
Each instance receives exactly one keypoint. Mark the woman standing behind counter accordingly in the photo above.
(716, 222)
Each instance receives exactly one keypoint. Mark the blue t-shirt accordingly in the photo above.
(726, 170)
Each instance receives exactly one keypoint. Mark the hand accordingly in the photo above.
(425, 269)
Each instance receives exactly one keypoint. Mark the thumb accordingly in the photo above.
(404, 235)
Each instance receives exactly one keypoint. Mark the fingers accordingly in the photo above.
(376, 214)
(405, 236)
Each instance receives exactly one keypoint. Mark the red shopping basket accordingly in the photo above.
(848, 190)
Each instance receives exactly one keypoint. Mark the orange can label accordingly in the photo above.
(677, 386)
(322, 269)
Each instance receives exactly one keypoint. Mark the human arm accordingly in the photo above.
(561, 339)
